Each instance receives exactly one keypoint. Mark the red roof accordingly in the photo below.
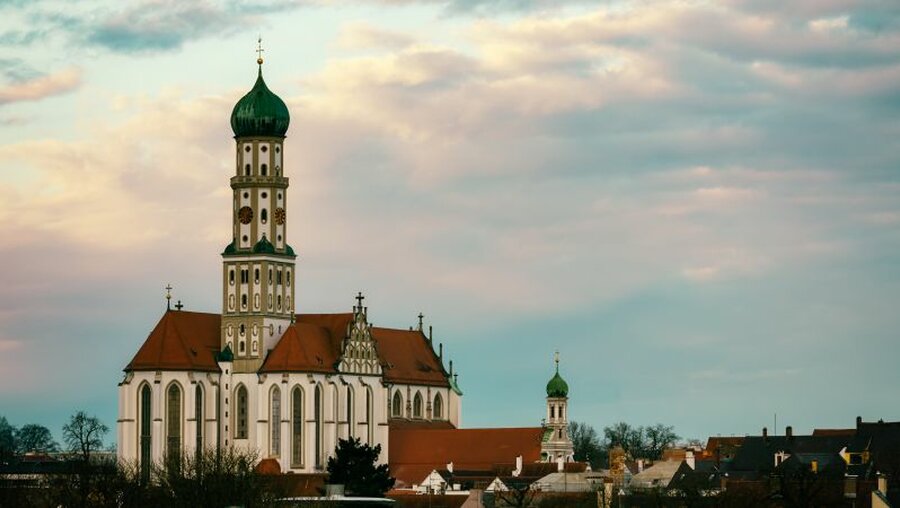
(189, 341)
(180, 341)
(834, 432)
(407, 357)
(414, 453)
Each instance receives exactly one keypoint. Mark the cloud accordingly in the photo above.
(41, 87)
(363, 35)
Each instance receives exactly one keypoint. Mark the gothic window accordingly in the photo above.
(417, 405)
(146, 419)
(438, 407)
(241, 415)
(397, 405)
(198, 417)
(350, 420)
(275, 423)
(297, 427)
(318, 425)
(369, 415)
(173, 421)
(265, 169)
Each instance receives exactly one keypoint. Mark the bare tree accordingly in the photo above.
(84, 434)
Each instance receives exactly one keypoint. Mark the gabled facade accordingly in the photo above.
(259, 376)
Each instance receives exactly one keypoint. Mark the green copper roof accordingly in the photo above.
(225, 355)
(289, 251)
(231, 248)
(260, 113)
(557, 387)
(264, 246)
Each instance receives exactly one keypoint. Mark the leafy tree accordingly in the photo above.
(587, 444)
(8, 441)
(353, 465)
(36, 438)
(641, 442)
(84, 434)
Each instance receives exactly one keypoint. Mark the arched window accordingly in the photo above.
(318, 425)
(438, 408)
(265, 169)
(417, 405)
(297, 427)
(351, 421)
(247, 169)
(552, 412)
(369, 416)
(256, 275)
(397, 406)
(275, 423)
(264, 216)
(173, 421)
(198, 417)
(146, 420)
(240, 428)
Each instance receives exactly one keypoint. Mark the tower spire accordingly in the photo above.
(556, 360)
(168, 296)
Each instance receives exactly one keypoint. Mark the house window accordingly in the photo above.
(417, 405)
(275, 422)
(438, 407)
(146, 419)
(241, 415)
(173, 422)
(297, 427)
(397, 406)
(198, 417)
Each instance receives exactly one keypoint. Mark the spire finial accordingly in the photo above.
(556, 360)
(259, 51)
(168, 296)
(359, 299)
(421, 317)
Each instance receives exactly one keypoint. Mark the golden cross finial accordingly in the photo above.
(556, 359)
(168, 296)
(259, 51)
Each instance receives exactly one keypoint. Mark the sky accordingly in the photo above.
(695, 202)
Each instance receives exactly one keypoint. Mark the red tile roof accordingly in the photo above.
(408, 358)
(414, 453)
(189, 340)
(181, 340)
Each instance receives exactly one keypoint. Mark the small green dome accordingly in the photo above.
(557, 387)
(231, 248)
(260, 113)
(264, 246)
(289, 251)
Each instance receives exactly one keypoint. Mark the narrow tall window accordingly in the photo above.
(438, 407)
(318, 426)
(265, 169)
(369, 415)
(198, 417)
(264, 216)
(173, 421)
(297, 427)
(552, 412)
(275, 423)
(241, 416)
(417, 405)
(146, 419)
(397, 404)
(350, 416)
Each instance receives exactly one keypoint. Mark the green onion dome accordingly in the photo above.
(264, 246)
(260, 113)
(557, 387)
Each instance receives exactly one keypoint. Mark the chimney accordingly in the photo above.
(689, 458)
(518, 470)
(789, 432)
(765, 432)
(450, 468)
(858, 422)
(882, 484)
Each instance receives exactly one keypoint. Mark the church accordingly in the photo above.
(264, 378)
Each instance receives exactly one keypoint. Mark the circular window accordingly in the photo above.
(244, 238)
(246, 195)
(247, 148)
(264, 148)
(265, 195)
(279, 195)
(279, 238)
(245, 215)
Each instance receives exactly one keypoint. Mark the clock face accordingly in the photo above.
(245, 215)
(280, 216)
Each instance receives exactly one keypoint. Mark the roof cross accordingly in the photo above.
(168, 296)
(179, 305)
(259, 51)
(359, 299)
(556, 359)
(421, 316)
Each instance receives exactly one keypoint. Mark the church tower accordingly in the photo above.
(556, 443)
(258, 265)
